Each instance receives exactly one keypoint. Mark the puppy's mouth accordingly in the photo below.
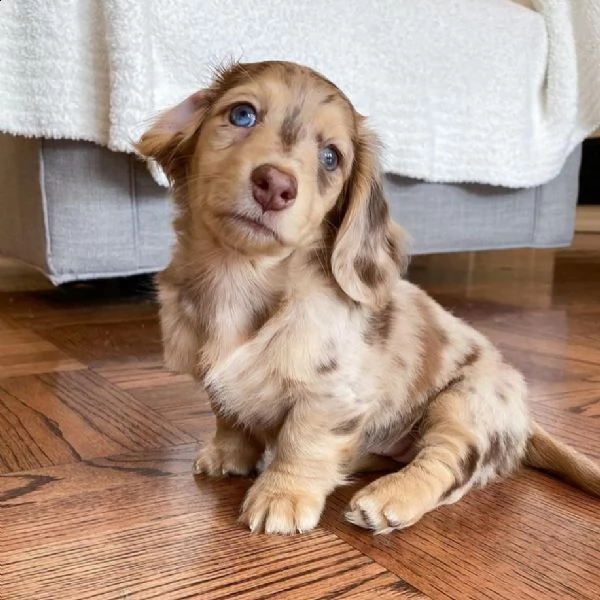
(253, 224)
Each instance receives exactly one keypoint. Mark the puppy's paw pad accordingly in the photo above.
(280, 512)
(215, 461)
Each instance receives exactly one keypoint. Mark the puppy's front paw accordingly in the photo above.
(222, 459)
(388, 503)
(275, 504)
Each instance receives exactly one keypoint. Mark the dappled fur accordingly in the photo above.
(318, 358)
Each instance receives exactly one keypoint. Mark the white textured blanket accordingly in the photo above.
(460, 90)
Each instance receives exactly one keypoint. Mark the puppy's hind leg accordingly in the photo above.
(454, 455)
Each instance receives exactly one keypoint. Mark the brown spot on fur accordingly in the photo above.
(320, 259)
(511, 456)
(469, 463)
(290, 128)
(455, 381)
(502, 395)
(471, 357)
(396, 254)
(500, 454)
(368, 272)
(434, 343)
(379, 221)
(379, 325)
(467, 467)
(328, 366)
(372, 249)
(378, 212)
(442, 337)
(347, 427)
(494, 451)
(261, 314)
(274, 339)
(259, 317)
(400, 362)
(329, 99)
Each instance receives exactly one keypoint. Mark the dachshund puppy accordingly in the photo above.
(285, 299)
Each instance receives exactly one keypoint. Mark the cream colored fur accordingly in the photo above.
(303, 332)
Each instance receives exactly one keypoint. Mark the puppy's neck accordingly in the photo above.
(227, 295)
(218, 266)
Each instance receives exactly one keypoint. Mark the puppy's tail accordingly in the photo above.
(548, 454)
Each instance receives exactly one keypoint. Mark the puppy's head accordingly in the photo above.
(273, 157)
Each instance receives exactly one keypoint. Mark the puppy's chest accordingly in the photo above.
(290, 359)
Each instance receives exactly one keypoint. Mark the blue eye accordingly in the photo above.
(243, 115)
(329, 158)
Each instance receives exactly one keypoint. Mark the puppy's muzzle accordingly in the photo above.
(272, 188)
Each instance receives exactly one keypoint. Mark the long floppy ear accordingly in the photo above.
(169, 140)
(368, 251)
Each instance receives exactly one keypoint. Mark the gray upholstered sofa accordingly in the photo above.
(78, 211)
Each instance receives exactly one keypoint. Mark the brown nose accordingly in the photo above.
(273, 189)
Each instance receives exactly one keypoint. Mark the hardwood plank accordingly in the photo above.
(93, 475)
(530, 537)
(583, 433)
(138, 525)
(177, 397)
(84, 303)
(588, 219)
(141, 527)
(583, 400)
(515, 278)
(136, 374)
(63, 417)
(544, 370)
(553, 333)
(96, 343)
(91, 322)
(24, 352)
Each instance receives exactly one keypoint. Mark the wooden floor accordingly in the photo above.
(96, 441)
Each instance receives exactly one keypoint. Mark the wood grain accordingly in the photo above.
(176, 397)
(161, 534)
(530, 537)
(23, 351)
(588, 217)
(97, 500)
(61, 417)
